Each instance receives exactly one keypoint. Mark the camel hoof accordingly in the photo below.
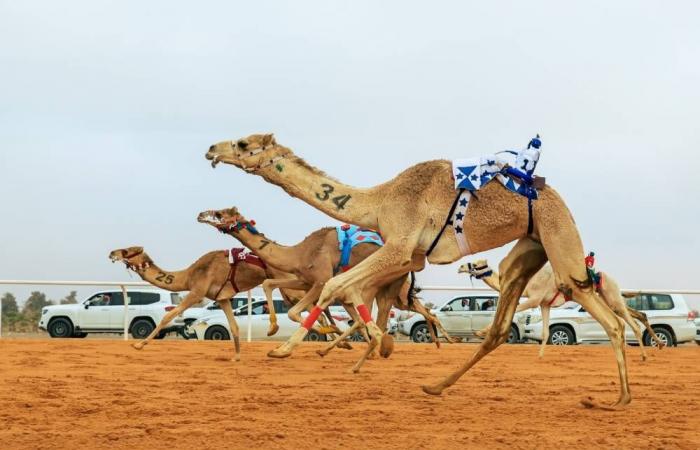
(432, 390)
(273, 329)
(237, 358)
(276, 353)
(345, 345)
(480, 334)
(321, 353)
(137, 345)
(386, 347)
(589, 403)
(455, 340)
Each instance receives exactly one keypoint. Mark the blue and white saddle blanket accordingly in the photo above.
(348, 237)
(471, 174)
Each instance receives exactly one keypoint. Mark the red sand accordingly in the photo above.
(185, 394)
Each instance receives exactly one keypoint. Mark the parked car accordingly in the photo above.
(570, 324)
(215, 326)
(697, 331)
(462, 316)
(194, 313)
(103, 312)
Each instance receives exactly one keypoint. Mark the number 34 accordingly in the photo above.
(339, 200)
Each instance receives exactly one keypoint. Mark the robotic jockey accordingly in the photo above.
(526, 161)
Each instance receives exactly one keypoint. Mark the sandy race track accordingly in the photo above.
(185, 394)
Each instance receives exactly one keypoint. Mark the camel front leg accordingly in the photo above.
(286, 348)
(545, 327)
(640, 316)
(233, 326)
(523, 261)
(420, 308)
(270, 285)
(190, 299)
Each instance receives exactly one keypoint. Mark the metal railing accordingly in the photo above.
(123, 285)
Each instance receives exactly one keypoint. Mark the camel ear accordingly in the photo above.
(242, 143)
(269, 139)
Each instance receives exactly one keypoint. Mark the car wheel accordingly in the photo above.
(79, 335)
(421, 334)
(560, 335)
(663, 334)
(315, 336)
(141, 329)
(514, 336)
(356, 337)
(217, 333)
(161, 335)
(60, 328)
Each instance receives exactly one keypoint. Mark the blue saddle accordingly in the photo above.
(348, 237)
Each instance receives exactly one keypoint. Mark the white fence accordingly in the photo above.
(123, 286)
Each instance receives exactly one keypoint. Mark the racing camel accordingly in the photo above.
(211, 276)
(542, 291)
(314, 261)
(411, 211)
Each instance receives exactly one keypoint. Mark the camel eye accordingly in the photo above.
(217, 215)
(242, 144)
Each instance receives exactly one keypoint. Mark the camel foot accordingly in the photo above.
(590, 403)
(321, 353)
(644, 357)
(386, 347)
(454, 340)
(344, 344)
(480, 334)
(138, 345)
(273, 329)
(432, 390)
(279, 353)
(437, 343)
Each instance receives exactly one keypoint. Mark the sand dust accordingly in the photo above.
(186, 394)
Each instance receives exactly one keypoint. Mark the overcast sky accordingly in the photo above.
(107, 109)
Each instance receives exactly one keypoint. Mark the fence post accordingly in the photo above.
(250, 311)
(126, 313)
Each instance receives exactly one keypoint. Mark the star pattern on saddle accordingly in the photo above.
(460, 213)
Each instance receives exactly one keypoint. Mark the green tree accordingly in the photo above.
(70, 298)
(9, 305)
(32, 307)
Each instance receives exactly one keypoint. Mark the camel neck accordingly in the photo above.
(171, 281)
(278, 256)
(492, 281)
(309, 184)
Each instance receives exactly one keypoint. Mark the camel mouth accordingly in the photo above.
(209, 218)
(215, 160)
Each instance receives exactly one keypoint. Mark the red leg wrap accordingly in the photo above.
(311, 319)
(364, 313)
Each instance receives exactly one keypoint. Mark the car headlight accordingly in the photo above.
(44, 311)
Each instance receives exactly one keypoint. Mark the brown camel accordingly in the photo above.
(314, 261)
(409, 211)
(208, 277)
(542, 291)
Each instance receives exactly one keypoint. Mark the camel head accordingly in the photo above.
(134, 258)
(250, 154)
(478, 269)
(228, 219)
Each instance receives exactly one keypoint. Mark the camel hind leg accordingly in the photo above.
(545, 328)
(233, 326)
(523, 261)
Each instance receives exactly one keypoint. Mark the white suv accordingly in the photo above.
(570, 324)
(103, 312)
(461, 316)
(195, 313)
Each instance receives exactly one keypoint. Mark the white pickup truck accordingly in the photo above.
(103, 312)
